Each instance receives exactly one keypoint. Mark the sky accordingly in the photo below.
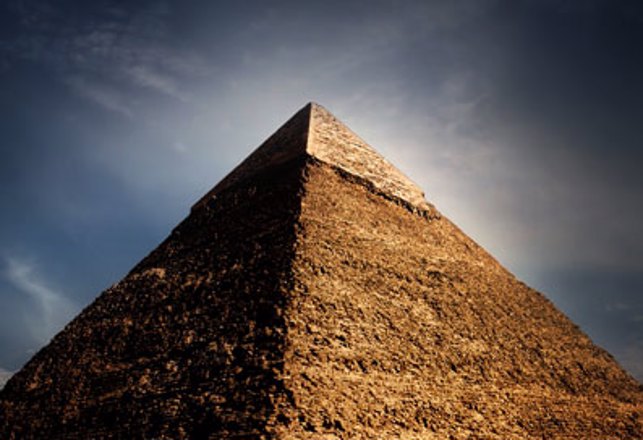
(520, 119)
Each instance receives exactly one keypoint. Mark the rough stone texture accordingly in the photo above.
(401, 327)
(315, 298)
(188, 346)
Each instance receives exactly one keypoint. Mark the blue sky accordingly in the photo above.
(520, 120)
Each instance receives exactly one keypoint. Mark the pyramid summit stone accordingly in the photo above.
(314, 132)
(313, 295)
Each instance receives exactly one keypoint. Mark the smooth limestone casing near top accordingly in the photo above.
(315, 132)
(314, 294)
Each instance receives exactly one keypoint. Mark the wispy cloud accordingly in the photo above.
(145, 76)
(131, 50)
(52, 309)
(106, 97)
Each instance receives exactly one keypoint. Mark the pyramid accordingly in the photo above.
(315, 294)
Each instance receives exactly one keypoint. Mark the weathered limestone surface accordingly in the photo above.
(401, 327)
(188, 346)
(313, 295)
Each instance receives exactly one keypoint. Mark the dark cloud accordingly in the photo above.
(519, 118)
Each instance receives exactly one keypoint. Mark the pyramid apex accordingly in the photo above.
(316, 107)
(331, 141)
(315, 132)
(313, 107)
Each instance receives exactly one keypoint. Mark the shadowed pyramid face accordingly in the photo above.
(315, 294)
